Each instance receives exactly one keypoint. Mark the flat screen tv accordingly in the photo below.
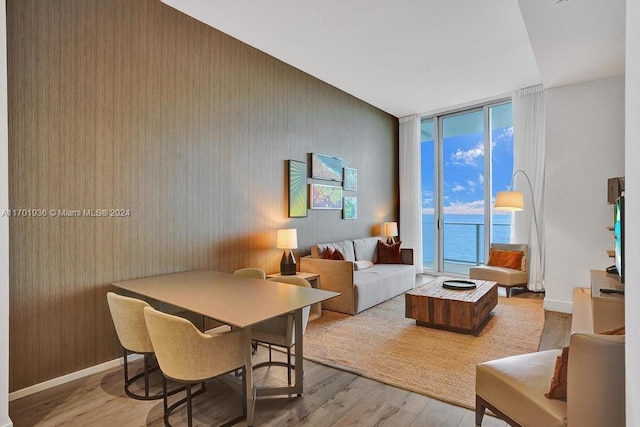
(618, 232)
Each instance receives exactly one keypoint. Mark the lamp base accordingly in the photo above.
(288, 264)
(390, 240)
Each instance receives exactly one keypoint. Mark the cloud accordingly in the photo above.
(457, 188)
(468, 157)
(481, 179)
(475, 207)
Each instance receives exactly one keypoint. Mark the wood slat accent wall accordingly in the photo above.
(132, 105)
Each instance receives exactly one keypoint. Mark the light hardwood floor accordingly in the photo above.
(332, 397)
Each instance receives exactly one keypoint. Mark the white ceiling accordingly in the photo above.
(416, 56)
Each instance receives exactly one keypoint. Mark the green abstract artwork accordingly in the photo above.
(297, 189)
(350, 208)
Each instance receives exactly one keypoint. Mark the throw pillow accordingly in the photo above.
(615, 331)
(558, 388)
(508, 259)
(389, 254)
(328, 253)
(334, 255)
(362, 265)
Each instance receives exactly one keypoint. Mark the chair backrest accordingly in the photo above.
(128, 318)
(186, 354)
(596, 380)
(515, 247)
(255, 273)
(298, 281)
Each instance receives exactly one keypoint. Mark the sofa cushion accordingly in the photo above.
(366, 249)
(362, 264)
(389, 254)
(380, 283)
(345, 247)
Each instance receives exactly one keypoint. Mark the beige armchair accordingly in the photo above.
(505, 277)
(513, 388)
(189, 356)
(280, 331)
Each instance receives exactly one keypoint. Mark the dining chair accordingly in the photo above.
(255, 273)
(280, 330)
(128, 319)
(189, 356)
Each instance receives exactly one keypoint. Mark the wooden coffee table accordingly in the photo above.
(456, 310)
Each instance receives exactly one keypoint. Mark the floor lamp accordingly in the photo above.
(513, 201)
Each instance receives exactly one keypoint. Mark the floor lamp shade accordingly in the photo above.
(509, 201)
(287, 239)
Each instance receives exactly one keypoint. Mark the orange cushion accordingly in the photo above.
(508, 259)
(389, 254)
(558, 388)
(615, 331)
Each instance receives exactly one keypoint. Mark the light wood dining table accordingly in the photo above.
(237, 301)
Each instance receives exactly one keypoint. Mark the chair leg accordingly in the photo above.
(289, 366)
(146, 375)
(479, 410)
(189, 411)
(126, 371)
(165, 401)
(270, 361)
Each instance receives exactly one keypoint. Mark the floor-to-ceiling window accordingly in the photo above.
(467, 156)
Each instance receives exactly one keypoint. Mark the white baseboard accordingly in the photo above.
(70, 377)
(559, 306)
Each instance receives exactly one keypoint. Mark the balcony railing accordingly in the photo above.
(464, 244)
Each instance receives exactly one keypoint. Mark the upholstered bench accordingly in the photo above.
(505, 277)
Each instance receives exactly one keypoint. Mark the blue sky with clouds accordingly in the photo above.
(463, 157)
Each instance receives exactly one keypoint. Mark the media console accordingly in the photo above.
(600, 307)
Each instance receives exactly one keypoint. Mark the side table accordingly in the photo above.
(314, 279)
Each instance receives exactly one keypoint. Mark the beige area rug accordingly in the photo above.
(381, 344)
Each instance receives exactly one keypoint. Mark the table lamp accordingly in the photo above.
(390, 230)
(287, 239)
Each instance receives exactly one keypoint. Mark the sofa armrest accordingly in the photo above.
(595, 380)
(335, 276)
(407, 255)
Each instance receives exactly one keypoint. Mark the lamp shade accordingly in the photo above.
(390, 229)
(287, 238)
(509, 201)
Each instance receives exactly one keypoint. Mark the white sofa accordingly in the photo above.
(361, 288)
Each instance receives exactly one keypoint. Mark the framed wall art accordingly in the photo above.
(297, 189)
(325, 196)
(350, 208)
(326, 167)
(350, 181)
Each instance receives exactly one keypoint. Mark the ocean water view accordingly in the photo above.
(463, 237)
